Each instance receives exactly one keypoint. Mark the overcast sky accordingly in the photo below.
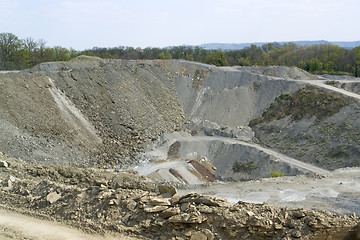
(83, 24)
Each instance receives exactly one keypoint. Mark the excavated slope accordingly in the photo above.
(85, 110)
(90, 111)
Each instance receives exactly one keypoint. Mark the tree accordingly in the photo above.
(73, 53)
(244, 62)
(164, 55)
(9, 51)
(217, 58)
(42, 51)
(357, 62)
(61, 54)
(315, 65)
(30, 51)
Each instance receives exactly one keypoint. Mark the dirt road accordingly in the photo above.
(17, 226)
(321, 83)
(279, 156)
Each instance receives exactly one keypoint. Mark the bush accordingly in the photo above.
(275, 174)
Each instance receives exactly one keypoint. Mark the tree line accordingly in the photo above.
(18, 53)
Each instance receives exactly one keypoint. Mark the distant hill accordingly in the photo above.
(239, 46)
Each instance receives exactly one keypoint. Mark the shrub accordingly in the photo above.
(275, 174)
(306, 102)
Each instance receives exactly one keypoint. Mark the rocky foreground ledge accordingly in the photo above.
(105, 201)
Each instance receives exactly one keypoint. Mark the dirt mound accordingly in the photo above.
(86, 110)
(103, 202)
(282, 72)
(314, 126)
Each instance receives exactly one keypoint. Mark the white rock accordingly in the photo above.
(4, 164)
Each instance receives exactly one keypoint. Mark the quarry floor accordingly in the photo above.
(338, 191)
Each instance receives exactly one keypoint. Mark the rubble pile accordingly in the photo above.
(117, 201)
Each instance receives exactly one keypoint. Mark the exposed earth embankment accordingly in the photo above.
(182, 123)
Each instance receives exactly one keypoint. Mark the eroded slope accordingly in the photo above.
(86, 110)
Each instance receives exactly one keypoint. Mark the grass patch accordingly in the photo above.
(306, 102)
(275, 174)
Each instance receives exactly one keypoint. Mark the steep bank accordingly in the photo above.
(86, 110)
(314, 125)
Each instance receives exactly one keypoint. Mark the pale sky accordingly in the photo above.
(83, 24)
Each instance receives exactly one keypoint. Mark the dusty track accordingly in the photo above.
(279, 156)
(321, 83)
(18, 227)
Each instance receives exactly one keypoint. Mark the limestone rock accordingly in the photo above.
(181, 218)
(12, 178)
(198, 236)
(4, 164)
(170, 212)
(203, 199)
(160, 201)
(205, 209)
(53, 197)
(187, 218)
(167, 189)
(299, 214)
(131, 205)
(175, 199)
(296, 234)
(209, 234)
(8, 185)
(154, 209)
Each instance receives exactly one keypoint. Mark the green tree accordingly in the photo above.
(30, 51)
(357, 61)
(10, 57)
(73, 53)
(244, 62)
(217, 58)
(164, 55)
(61, 54)
(315, 65)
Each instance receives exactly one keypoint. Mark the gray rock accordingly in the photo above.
(207, 200)
(160, 201)
(209, 234)
(4, 164)
(53, 197)
(170, 212)
(198, 236)
(154, 209)
(187, 218)
(296, 234)
(167, 189)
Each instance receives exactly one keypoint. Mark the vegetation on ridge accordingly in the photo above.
(306, 102)
(18, 53)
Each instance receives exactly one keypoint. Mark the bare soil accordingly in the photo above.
(69, 130)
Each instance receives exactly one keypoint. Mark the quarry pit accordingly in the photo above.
(242, 134)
